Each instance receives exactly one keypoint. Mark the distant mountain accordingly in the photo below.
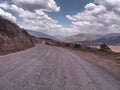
(83, 37)
(40, 34)
(95, 39)
(111, 35)
(109, 39)
(13, 38)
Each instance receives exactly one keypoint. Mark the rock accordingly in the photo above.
(13, 38)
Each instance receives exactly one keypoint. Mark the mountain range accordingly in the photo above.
(13, 38)
(83, 37)
(95, 39)
(41, 35)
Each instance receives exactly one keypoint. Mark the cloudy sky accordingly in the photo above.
(64, 17)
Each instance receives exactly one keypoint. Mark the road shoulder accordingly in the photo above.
(107, 63)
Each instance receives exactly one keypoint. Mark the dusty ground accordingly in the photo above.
(112, 65)
(113, 48)
(52, 68)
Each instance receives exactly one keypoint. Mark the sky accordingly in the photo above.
(68, 7)
(64, 17)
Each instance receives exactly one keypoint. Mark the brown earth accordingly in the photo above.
(13, 38)
(113, 65)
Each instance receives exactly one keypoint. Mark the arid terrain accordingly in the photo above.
(59, 44)
(54, 68)
(113, 48)
(47, 64)
(13, 38)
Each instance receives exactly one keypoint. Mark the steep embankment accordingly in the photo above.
(13, 38)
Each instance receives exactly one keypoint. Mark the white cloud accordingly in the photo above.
(7, 15)
(4, 5)
(96, 18)
(32, 5)
(37, 20)
(111, 5)
(70, 18)
(90, 6)
(103, 17)
(100, 9)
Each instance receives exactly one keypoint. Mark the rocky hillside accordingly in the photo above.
(13, 38)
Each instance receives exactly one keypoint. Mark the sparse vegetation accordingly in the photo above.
(105, 48)
(103, 51)
(77, 46)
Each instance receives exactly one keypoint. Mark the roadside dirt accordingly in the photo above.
(111, 64)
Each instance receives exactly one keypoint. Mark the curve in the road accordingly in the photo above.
(52, 68)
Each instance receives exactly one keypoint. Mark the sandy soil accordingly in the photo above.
(114, 48)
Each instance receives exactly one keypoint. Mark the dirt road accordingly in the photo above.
(52, 68)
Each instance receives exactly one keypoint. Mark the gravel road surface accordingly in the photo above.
(52, 68)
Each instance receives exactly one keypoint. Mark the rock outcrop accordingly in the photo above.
(13, 38)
